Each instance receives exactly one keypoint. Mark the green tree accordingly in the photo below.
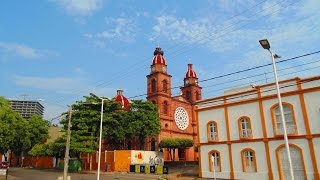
(85, 130)
(119, 124)
(38, 129)
(143, 121)
(11, 126)
(173, 143)
(18, 134)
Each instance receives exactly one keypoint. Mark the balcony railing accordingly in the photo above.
(213, 136)
(291, 129)
(246, 133)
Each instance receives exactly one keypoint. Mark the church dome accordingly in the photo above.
(158, 57)
(191, 73)
(123, 100)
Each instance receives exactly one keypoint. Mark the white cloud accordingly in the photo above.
(272, 19)
(79, 7)
(14, 49)
(120, 29)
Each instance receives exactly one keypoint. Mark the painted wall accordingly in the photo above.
(260, 154)
(216, 115)
(312, 101)
(250, 110)
(224, 157)
(146, 158)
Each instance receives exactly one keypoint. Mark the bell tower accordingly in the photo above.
(191, 90)
(159, 81)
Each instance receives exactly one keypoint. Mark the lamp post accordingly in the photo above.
(265, 44)
(66, 156)
(100, 136)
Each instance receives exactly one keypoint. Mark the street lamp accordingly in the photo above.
(265, 44)
(100, 136)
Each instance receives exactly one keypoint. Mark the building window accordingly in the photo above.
(165, 107)
(215, 161)
(165, 86)
(299, 170)
(153, 144)
(212, 130)
(188, 95)
(245, 130)
(153, 86)
(248, 160)
(197, 95)
(288, 116)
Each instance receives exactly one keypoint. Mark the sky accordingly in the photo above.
(58, 51)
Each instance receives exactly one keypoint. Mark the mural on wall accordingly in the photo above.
(147, 158)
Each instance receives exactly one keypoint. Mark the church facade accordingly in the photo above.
(177, 113)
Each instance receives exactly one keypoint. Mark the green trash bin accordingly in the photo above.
(74, 164)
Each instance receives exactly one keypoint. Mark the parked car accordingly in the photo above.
(4, 165)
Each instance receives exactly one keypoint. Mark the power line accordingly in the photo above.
(253, 93)
(131, 69)
(262, 79)
(241, 71)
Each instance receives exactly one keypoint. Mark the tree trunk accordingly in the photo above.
(174, 154)
(170, 155)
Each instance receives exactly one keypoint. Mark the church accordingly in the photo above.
(177, 113)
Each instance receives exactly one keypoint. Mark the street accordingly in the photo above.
(35, 174)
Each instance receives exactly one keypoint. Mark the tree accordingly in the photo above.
(143, 120)
(85, 120)
(18, 134)
(11, 124)
(119, 124)
(172, 143)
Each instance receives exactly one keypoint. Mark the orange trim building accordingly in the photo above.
(249, 134)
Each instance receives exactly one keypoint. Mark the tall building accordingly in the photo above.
(27, 108)
(241, 132)
(177, 115)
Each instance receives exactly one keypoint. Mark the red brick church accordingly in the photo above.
(178, 118)
(177, 113)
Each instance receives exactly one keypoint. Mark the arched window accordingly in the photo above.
(165, 107)
(188, 95)
(165, 86)
(153, 86)
(245, 130)
(197, 95)
(212, 130)
(299, 170)
(288, 116)
(215, 161)
(153, 144)
(248, 160)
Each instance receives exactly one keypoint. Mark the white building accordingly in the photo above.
(240, 134)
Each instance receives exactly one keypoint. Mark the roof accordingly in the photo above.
(158, 57)
(123, 100)
(191, 73)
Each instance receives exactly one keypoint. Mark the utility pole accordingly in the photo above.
(66, 156)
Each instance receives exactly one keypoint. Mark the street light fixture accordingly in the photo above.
(100, 136)
(265, 44)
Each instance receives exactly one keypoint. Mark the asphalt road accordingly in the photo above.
(35, 174)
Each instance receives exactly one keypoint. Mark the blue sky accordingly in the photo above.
(61, 50)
